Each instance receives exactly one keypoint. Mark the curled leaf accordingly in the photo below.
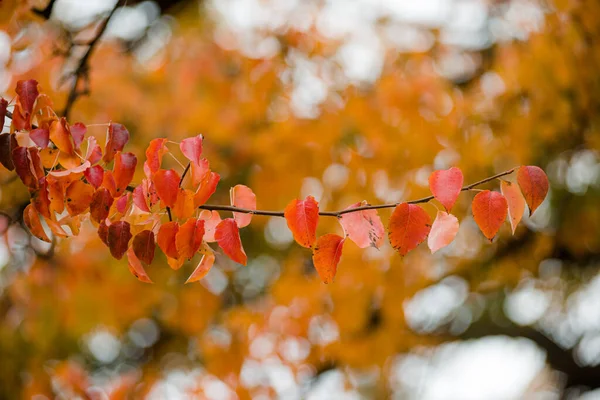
(489, 211)
(443, 231)
(534, 185)
(8, 142)
(204, 266)
(302, 218)
(60, 135)
(363, 227)
(516, 203)
(189, 237)
(326, 256)
(227, 236)
(154, 154)
(136, 268)
(33, 222)
(207, 188)
(409, 226)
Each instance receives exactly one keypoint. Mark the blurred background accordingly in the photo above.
(345, 100)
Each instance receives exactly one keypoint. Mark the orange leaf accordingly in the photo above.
(516, 203)
(207, 187)
(136, 268)
(363, 227)
(227, 236)
(184, 206)
(118, 136)
(211, 220)
(204, 266)
(242, 196)
(100, 205)
(123, 170)
(166, 239)
(443, 231)
(192, 148)
(326, 256)
(154, 154)
(32, 220)
(534, 185)
(78, 197)
(61, 135)
(302, 218)
(166, 183)
(143, 246)
(446, 185)
(409, 226)
(189, 238)
(489, 210)
(119, 234)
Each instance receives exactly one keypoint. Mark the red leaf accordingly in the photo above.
(123, 170)
(189, 238)
(32, 220)
(242, 197)
(119, 234)
(78, 197)
(211, 220)
(143, 246)
(40, 198)
(61, 135)
(443, 231)
(302, 218)
(144, 195)
(446, 185)
(28, 93)
(489, 210)
(121, 203)
(204, 266)
(8, 142)
(154, 154)
(207, 188)
(166, 239)
(166, 183)
(409, 226)
(326, 256)
(192, 148)
(103, 232)
(199, 171)
(534, 185)
(118, 136)
(3, 107)
(28, 165)
(227, 236)
(516, 203)
(136, 268)
(94, 175)
(40, 136)
(100, 205)
(363, 227)
(78, 131)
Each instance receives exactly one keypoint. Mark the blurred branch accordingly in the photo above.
(81, 72)
(46, 12)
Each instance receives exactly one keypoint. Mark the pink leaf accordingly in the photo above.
(211, 220)
(363, 227)
(443, 231)
(242, 197)
(446, 185)
(192, 148)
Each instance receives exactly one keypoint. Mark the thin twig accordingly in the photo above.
(338, 214)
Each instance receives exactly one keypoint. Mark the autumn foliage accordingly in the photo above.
(72, 178)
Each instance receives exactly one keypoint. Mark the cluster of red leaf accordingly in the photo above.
(71, 177)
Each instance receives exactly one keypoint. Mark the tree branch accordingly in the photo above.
(338, 214)
(82, 70)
